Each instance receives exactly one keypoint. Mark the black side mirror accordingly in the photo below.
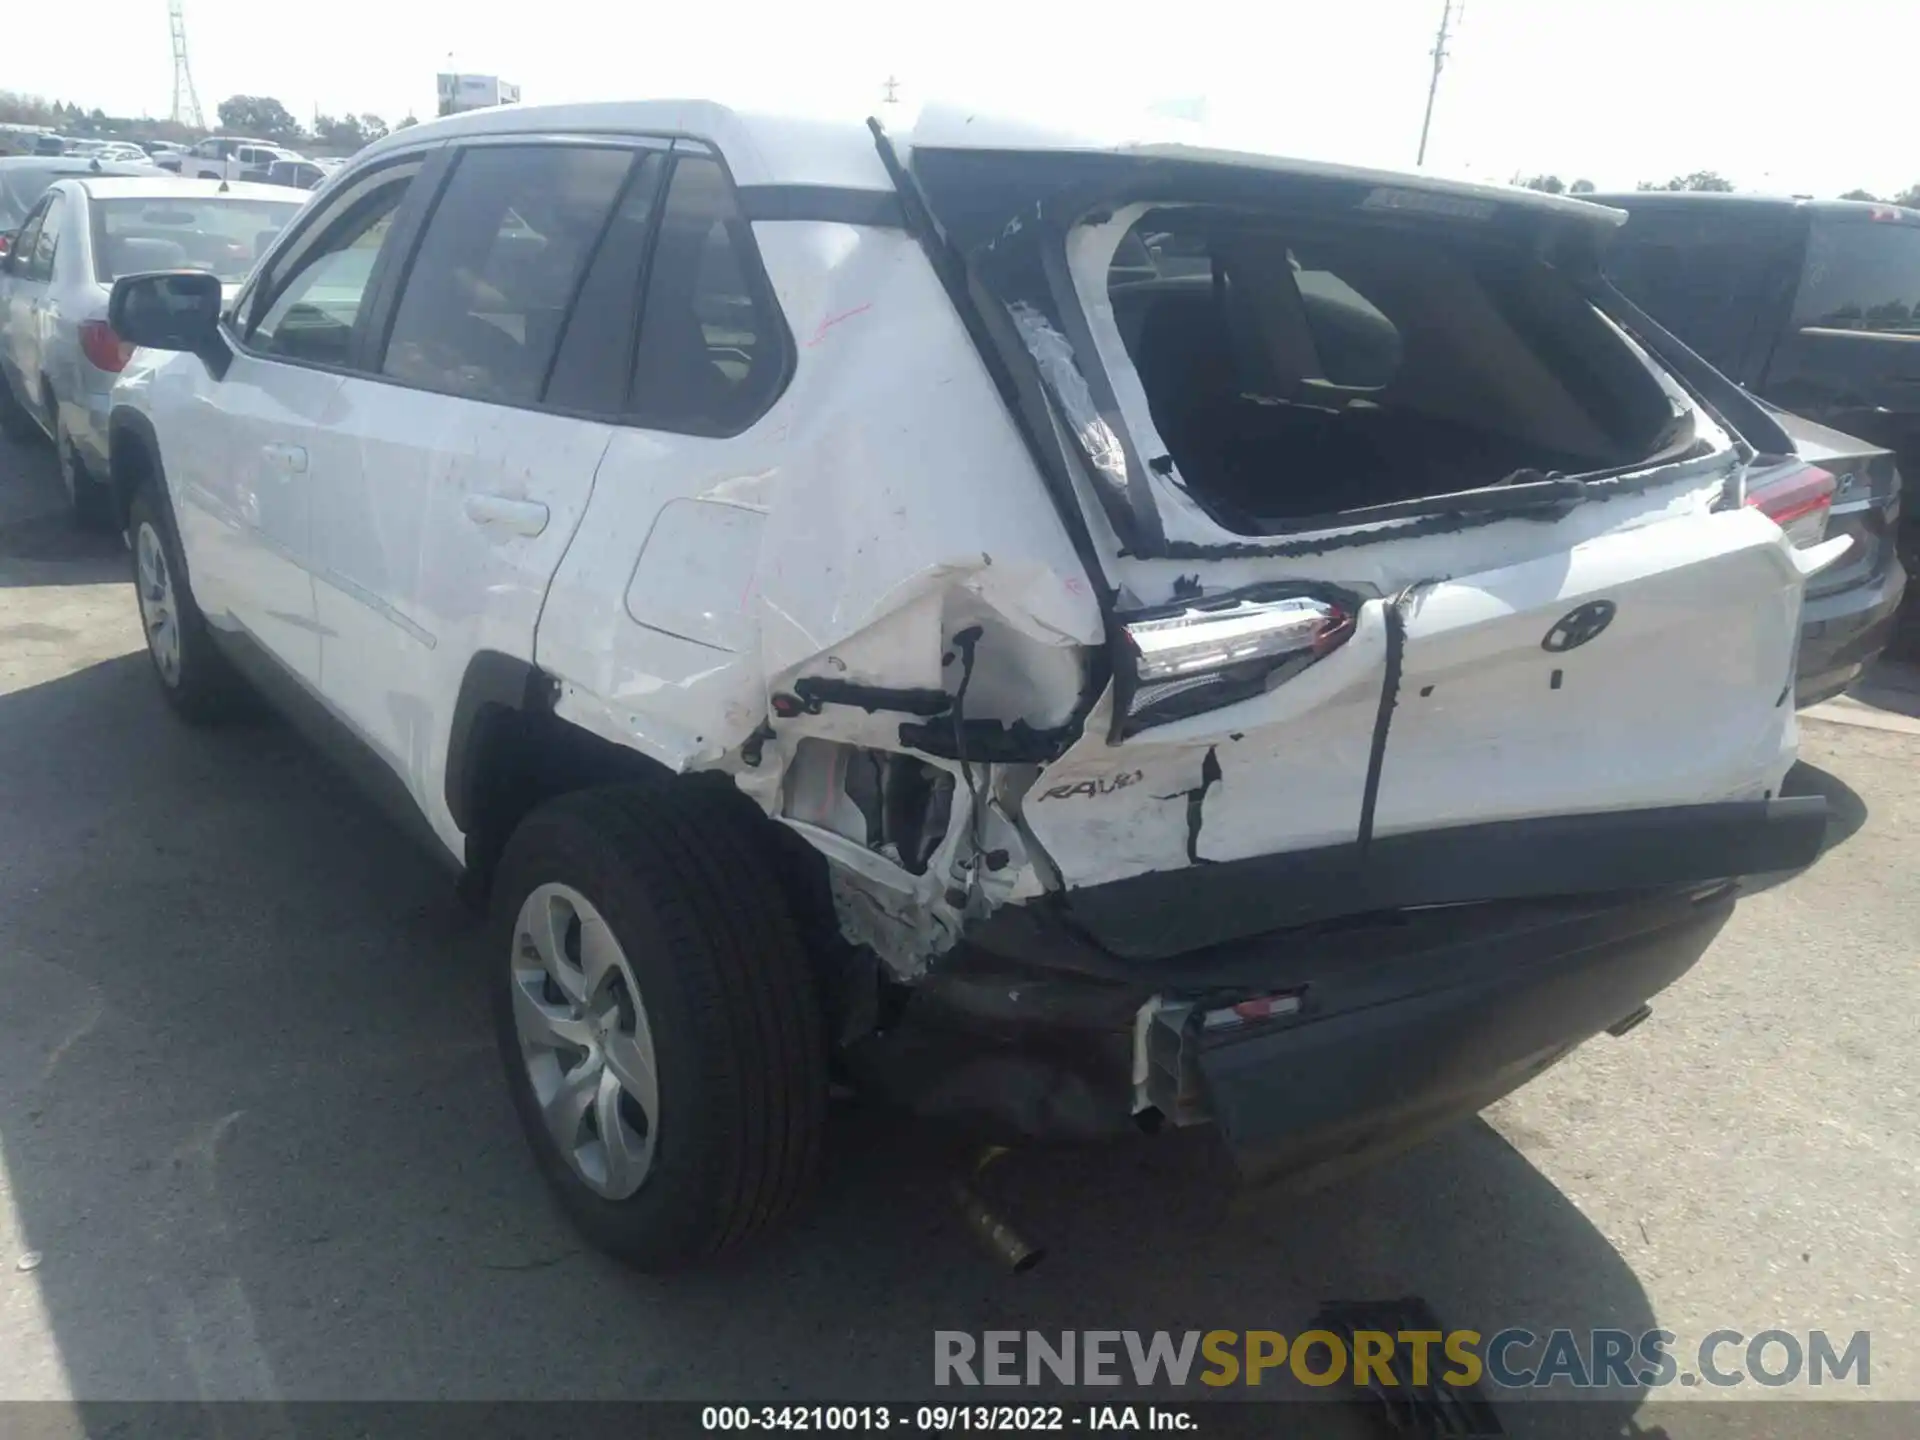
(172, 310)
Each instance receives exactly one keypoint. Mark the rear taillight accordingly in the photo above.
(1208, 653)
(6, 241)
(104, 349)
(1798, 499)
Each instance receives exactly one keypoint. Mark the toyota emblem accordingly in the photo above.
(1577, 627)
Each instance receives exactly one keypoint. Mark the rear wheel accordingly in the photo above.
(657, 1018)
(16, 423)
(89, 499)
(194, 676)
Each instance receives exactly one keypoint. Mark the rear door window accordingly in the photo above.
(596, 350)
(23, 243)
(1861, 275)
(46, 242)
(713, 347)
(498, 266)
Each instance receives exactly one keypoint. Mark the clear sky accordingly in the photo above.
(1795, 96)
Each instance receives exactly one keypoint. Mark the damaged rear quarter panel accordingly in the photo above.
(882, 505)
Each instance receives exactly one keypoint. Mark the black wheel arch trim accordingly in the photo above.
(138, 428)
(494, 680)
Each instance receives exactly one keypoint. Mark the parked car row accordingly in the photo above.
(59, 356)
(1072, 637)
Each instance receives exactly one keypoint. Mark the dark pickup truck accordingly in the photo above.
(1813, 305)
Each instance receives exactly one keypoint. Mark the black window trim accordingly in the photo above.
(263, 287)
(377, 313)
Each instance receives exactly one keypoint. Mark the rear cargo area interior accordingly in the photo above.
(1298, 373)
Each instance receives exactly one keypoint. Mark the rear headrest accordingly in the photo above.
(131, 254)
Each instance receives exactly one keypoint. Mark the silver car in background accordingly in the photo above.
(58, 355)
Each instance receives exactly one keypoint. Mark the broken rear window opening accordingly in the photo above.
(1299, 372)
(1296, 352)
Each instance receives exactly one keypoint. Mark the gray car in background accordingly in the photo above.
(25, 178)
(58, 355)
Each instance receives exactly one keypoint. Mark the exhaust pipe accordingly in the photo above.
(1001, 1240)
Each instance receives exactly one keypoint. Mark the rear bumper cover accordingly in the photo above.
(1169, 912)
(1311, 1100)
(1406, 1018)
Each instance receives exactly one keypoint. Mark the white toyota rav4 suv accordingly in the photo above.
(1068, 636)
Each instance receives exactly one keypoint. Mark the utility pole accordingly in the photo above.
(892, 87)
(1433, 88)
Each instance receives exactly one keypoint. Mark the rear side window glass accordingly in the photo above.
(24, 243)
(312, 318)
(596, 348)
(47, 242)
(498, 266)
(713, 348)
(1861, 275)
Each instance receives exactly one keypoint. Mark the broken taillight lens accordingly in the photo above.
(1797, 498)
(1212, 653)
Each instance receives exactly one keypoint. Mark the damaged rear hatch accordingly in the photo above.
(1425, 580)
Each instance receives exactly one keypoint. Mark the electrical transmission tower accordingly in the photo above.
(186, 104)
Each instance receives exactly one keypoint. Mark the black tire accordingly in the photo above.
(16, 422)
(89, 501)
(203, 687)
(681, 874)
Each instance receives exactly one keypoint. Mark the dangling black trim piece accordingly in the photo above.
(1396, 619)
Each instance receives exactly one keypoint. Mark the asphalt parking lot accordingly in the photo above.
(252, 1133)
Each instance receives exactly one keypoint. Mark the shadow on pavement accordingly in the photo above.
(1846, 813)
(251, 1118)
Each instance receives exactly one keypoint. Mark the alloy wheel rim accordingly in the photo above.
(159, 613)
(585, 1041)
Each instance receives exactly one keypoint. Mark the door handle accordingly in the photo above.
(522, 517)
(290, 458)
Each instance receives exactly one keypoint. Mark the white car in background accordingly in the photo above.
(58, 355)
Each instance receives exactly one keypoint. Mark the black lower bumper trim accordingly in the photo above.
(1171, 912)
(1312, 1099)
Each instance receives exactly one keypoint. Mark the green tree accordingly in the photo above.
(407, 123)
(261, 117)
(343, 133)
(373, 127)
(1710, 180)
(1909, 197)
(1859, 195)
(1551, 184)
(1581, 187)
